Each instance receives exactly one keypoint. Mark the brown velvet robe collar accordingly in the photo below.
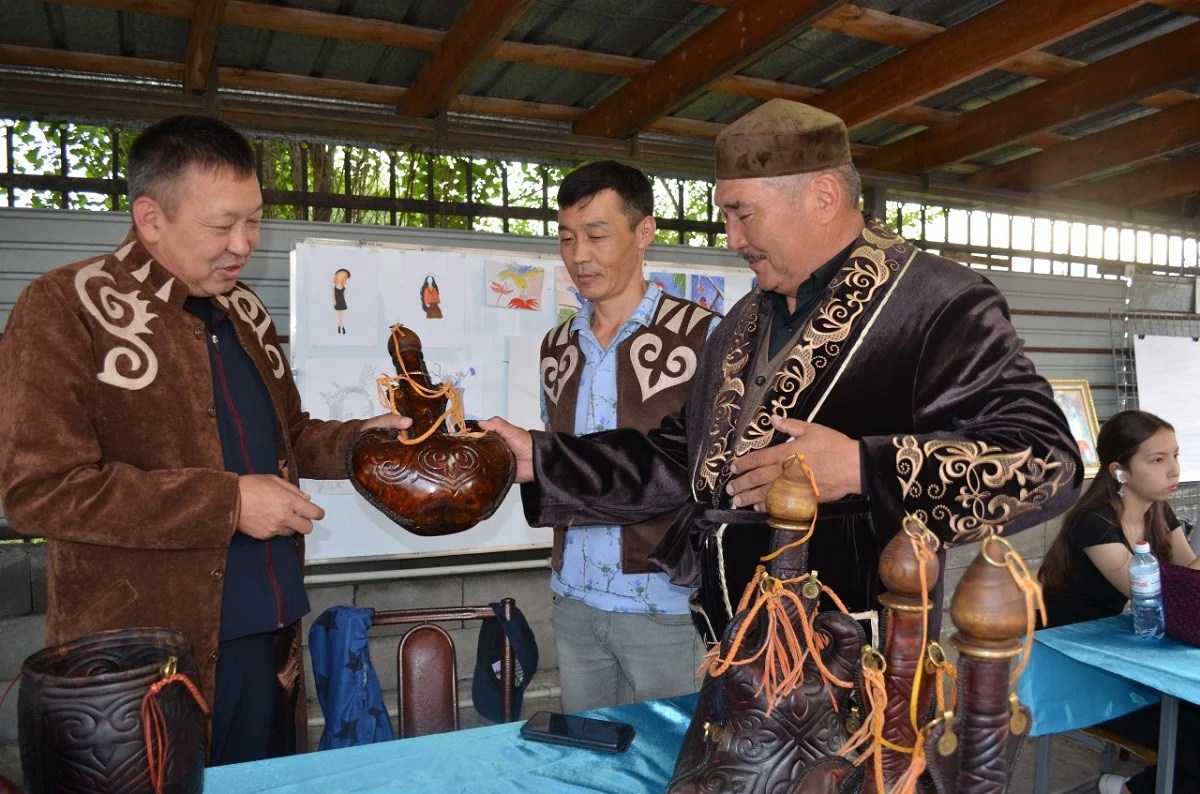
(877, 263)
(146, 270)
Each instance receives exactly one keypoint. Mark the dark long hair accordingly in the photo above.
(429, 281)
(1119, 440)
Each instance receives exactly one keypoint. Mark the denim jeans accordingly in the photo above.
(613, 658)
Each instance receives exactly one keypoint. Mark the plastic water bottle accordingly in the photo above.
(1145, 586)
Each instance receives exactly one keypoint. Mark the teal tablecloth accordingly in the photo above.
(490, 759)
(1086, 673)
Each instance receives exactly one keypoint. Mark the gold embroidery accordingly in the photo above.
(981, 473)
(727, 403)
(870, 268)
(823, 335)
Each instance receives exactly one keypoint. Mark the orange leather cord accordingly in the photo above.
(875, 690)
(783, 651)
(387, 397)
(154, 726)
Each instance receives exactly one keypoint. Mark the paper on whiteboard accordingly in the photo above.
(425, 290)
(358, 324)
(524, 381)
(467, 378)
(1168, 376)
(340, 388)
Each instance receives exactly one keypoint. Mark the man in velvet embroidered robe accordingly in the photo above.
(896, 373)
(154, 435)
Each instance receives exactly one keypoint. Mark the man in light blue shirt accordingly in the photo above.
(624, 632)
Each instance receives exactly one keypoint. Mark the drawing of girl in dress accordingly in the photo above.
(339, 297)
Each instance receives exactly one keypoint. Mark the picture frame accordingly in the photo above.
(1074, 399)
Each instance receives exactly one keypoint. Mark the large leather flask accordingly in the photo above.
(428, 479)
(82, 716)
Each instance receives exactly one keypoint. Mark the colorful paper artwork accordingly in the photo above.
(675, 284)
(709, 292)
(568, 299)
(514, 285)
(424, 290)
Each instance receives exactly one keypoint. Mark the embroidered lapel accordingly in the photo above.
(828, 338)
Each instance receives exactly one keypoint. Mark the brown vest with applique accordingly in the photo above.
(655, 366)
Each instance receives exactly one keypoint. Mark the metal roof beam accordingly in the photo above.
(480, 26)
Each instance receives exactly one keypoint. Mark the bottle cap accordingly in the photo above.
(1141, 547)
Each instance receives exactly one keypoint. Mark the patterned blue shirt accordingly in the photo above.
(591, 569)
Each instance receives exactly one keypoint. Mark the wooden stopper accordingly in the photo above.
(900, 568)
(988, 607)
(792, 499)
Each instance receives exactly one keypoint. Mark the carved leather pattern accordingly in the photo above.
(904, 654)
(80, 737)
(761, 753)
(987, 750)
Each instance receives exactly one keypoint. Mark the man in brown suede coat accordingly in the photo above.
(154, 435)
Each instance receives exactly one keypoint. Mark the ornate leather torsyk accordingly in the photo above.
(749, 738)
(974, 750)
(84, 716)
(429, 480)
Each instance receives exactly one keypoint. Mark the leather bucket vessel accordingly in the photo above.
(83, 716)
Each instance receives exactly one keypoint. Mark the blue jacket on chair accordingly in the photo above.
(347, 686)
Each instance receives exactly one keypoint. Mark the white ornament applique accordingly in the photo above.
(252, 311)
(556, 373)
(108, 307)
(656, 371)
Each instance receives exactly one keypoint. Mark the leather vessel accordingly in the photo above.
(446, 483)
(733, 743)
(80, 719)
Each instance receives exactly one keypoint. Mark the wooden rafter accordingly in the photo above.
(1143, 185)
(737, 38)
(1142, 139)
(849, 20)
(207, 17)
(1108, 82)
(480, 26)
(966, 50)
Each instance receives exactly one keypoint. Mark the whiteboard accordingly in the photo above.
(478, 341)
(1168, 378)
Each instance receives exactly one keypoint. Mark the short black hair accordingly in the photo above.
(634, 188)
(165, 150)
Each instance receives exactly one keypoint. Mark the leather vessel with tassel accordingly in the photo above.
(426, 479)
(81, 719)
(738, 740)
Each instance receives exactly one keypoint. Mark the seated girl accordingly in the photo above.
(1085, 574)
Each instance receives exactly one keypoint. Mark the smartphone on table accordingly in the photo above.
(576, 731)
